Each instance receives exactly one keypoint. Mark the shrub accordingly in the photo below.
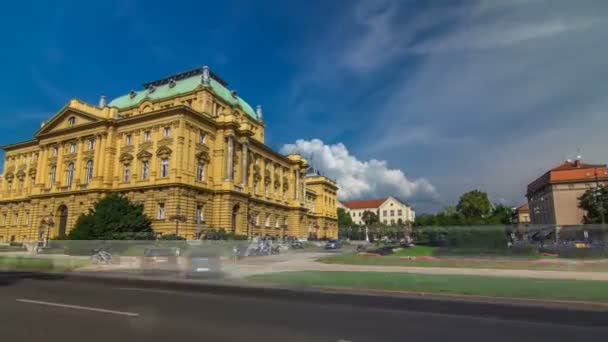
(171, 237)
(484, 237)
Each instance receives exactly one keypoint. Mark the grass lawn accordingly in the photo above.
(464, 262)
(39, 264)
(415, 251)
(452, 284)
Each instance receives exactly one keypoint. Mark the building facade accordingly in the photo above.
(553, 198)
(186, 147)
(521, 214)
(390, 210)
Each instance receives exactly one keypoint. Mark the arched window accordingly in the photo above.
(52, 175)
(71, 121)
(126, 173)
(145, 168)
(276, 221)
(88, 175)
(70, 175)
(200, 170)
(267, 222)
(164, 167)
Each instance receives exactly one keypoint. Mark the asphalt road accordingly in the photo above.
(60, 310)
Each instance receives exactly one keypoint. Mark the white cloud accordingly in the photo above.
(360, 179)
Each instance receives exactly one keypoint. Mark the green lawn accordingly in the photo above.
(39, 264)
(451, 284)
(415, 251)
(398, 259)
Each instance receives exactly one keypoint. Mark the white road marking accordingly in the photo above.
(78, 307)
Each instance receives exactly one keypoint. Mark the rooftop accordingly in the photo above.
(363, 204)
(570, 172)
(183, 83)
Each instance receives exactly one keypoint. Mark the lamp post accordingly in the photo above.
(49, 225)
(178, 217)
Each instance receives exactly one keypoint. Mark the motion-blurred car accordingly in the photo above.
(160, 260)
(333, 244)
(201, 263)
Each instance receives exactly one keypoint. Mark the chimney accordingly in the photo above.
(258, 112)
(577, 162)
(102, 101)
(206, 77)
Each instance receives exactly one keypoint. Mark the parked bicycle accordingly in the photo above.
(101, 256)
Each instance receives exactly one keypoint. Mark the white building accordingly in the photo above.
(390, 210)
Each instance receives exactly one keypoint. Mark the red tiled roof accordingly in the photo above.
(570, 171)
(373, 203)
(523, 208)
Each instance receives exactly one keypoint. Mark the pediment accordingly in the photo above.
(62, 120)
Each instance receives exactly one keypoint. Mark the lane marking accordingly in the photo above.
(78, 307)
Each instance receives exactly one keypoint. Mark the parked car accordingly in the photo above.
(202, 263)
(333, 244)
(160, 259)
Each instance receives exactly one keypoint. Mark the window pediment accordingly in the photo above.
(163, 152)
(144, 155)
(125, 158)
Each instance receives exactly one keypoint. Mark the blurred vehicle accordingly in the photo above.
(296, 244)
(160, 259)
(333, 244)
(202, 263)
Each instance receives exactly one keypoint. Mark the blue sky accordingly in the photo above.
(419, 99)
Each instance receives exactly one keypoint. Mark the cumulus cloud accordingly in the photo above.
(360, 179)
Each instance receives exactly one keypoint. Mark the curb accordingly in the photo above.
(506, 309)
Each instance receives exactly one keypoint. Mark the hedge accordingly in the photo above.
(486, 237)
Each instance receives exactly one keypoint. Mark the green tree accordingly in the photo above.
(344, 219)
(369, 217)
(500, 214)
(595, 202)
(113, 217)
(474, 204)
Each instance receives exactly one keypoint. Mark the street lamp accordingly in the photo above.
(178, 218)
(49, 225)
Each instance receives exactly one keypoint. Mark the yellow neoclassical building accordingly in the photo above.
(186, 147)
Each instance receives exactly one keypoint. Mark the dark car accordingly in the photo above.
(333, 244)
(201, 263)
(160, 259)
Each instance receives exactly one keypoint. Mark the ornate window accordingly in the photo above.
(201, 137)
(126, 172)
(88, 173)
(129, 139)
(52, 175)
(198, 216)
(73, 147)
(147, 136)
(257, 219)
(91, 144)
(164, 167)
(160, 213)
(27, 217)
(72, 121)
(200, 170)
(167, 132)
(145, 168)
(69, 175)
(276, 221)
(267, 221)
(54, 151)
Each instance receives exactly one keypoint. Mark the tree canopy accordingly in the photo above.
(595, 202)
(474, 204)
(344, 219)
(369, 217)
(113, 217)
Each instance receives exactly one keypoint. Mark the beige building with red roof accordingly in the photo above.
(390, 210)
(522, 214)
(553, 197)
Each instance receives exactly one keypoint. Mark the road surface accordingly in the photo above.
(61, 310)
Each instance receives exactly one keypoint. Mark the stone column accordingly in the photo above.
(297, 185)
(41, 166)
(229, 157)
(59, 176)
(97, 157)
(109, 156)
(244, 165)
